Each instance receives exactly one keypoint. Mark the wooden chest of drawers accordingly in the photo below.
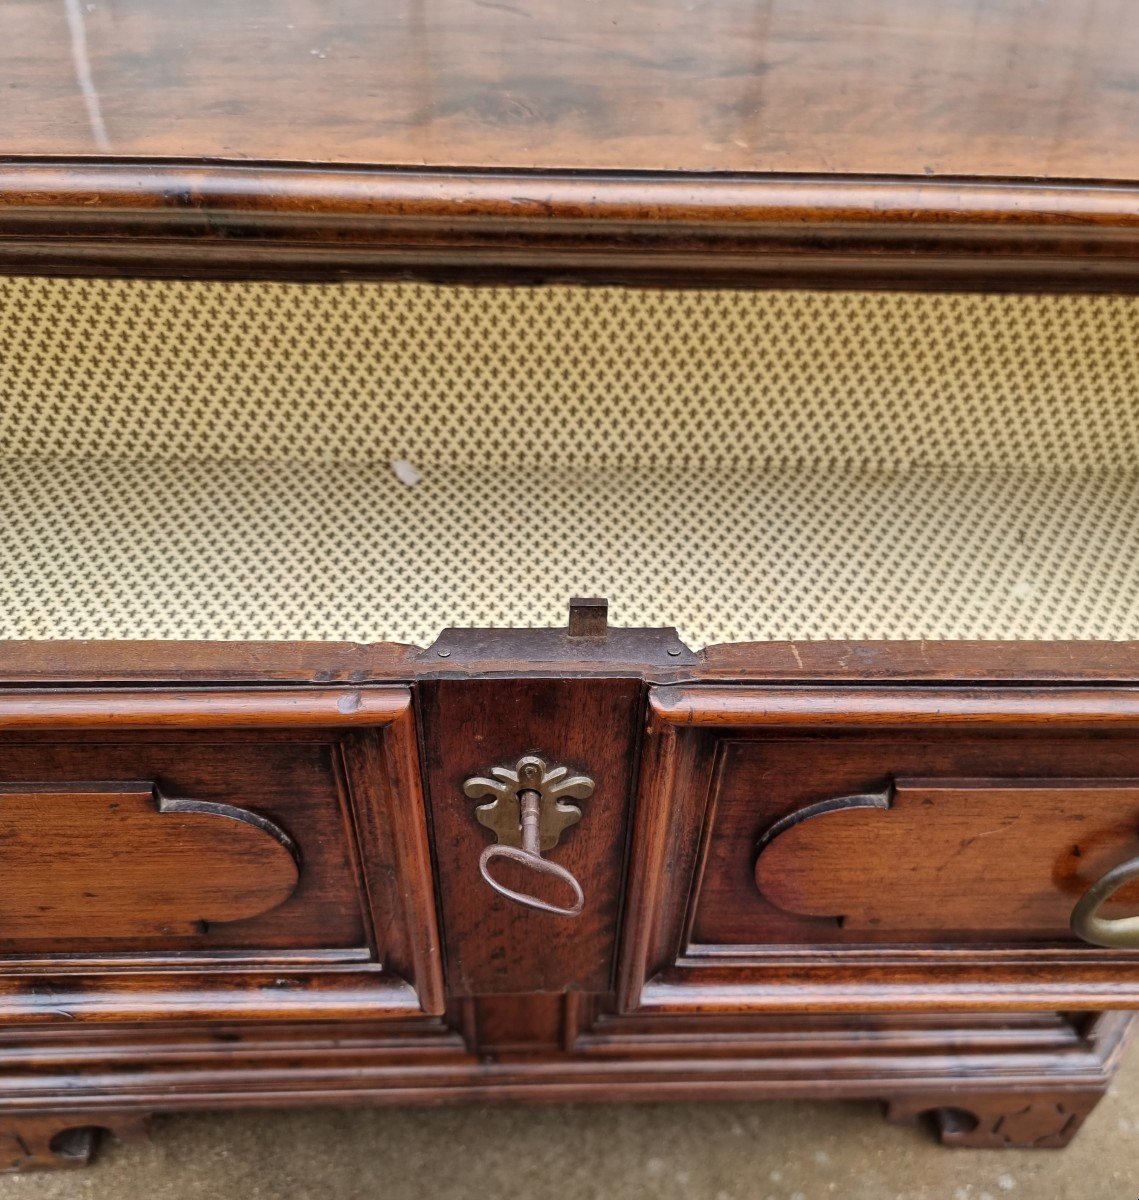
(330, 373)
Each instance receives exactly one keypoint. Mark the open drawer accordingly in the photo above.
(213, 853)
(207, 461)
(885, 846)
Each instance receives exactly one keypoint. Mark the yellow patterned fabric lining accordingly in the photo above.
(213, 460)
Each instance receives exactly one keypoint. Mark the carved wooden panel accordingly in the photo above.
(123, 860)
(991, 855)
(298, 782)
(951, 828)
(281, 835)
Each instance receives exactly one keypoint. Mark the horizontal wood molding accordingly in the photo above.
(853, 706)
(180, 995)
(165, 1068)
(90, 215)
(183, 190)
(549, 652)
(932, 986)
(190, 708)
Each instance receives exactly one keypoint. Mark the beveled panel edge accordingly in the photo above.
(390, 831)
(93, 215)
(174, 995)
(780, 705)
(202, 708)
(833, 987)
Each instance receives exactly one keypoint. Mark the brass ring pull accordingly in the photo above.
(1119, 934)
(534, 862)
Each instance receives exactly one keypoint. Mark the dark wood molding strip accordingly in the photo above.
(856, 990)
(91, 215)
(180, 995)
(712, 707)
(198, 709)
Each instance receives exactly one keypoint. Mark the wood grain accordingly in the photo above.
(293, 782)
(894, 707)
(187, 708)
(240, 220)
(999, 860)
(469, 726)
(356, 935)
(920, 1064)
(111, 860)
(721, 765)
(1001, 88)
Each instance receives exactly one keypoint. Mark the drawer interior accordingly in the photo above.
(214, 460)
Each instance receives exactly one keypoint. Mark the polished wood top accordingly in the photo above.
(991, 88)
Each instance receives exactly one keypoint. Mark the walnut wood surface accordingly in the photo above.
(822, 144)
(818, 144)
(354, 936)
(1000, 88)
(570, 1048)
(203, 663)
(46, 1142)
(469, 726)
(721, 765)
(185, 708)
(293, 783)
(70, 664)
(995, 859)
(120, 860)
(231, 220)
(1026, 1120)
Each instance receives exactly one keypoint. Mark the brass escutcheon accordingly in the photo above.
(504, 787)
(526, 815)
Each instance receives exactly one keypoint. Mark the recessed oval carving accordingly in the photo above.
(110, 860)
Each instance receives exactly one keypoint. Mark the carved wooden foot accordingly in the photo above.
(999, 1120)
(39, 1142)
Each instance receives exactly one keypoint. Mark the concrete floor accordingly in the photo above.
(674, 1152)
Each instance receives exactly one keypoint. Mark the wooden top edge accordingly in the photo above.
(886, 661)
(182, 188)
(1035, 88)
(126, 663)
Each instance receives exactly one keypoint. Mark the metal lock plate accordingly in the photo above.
(503, 791)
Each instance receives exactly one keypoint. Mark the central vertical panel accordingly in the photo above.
(470, 726)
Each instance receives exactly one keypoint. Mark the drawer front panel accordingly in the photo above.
(202, 854)
(841, 841)
(974, 860)
(881, 847)
(189, 842)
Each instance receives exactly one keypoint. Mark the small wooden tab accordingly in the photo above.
(588, 616)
